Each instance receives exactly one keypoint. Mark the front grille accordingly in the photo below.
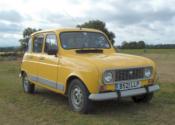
(129, 74)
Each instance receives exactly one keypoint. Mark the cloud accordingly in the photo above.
(9, 40)
(10, 27)
(10, 16)
(126, 14)
(152, 21)
(61, 19)
(140, 21)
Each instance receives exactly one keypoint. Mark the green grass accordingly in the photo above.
(148, 51)
(48, 108)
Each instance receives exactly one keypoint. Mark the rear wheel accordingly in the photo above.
(28, 87)
(146, 98)
(78, 97)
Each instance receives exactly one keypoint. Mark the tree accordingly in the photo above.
(26, 35)
(133, 45)
(124, 45)
(141, 45)
(99, 25)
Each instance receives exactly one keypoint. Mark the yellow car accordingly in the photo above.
(83, 65)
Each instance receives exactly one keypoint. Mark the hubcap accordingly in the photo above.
(77, 97)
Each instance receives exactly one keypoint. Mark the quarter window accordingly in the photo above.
(38, 43)
(51, 42)
(29, 45)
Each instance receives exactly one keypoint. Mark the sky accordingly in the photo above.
(152, 21)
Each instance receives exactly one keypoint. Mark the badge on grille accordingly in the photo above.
(130, 72)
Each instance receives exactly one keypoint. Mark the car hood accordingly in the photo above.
(115, 60)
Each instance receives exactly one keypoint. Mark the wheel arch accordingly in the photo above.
(69, 79)
(22, 73)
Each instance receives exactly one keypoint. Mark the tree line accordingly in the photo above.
(9, 49)
(143, 45)
(133, 45)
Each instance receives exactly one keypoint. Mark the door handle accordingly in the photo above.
(41, 58)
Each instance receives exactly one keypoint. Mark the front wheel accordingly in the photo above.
(145, 98)
(78, 97)
(27, 86)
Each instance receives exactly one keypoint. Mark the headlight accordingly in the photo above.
(148, 72)
(108, 77)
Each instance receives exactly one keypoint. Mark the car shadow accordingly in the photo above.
(125, 105)
(50, 97)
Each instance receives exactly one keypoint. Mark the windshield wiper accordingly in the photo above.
(93, 50)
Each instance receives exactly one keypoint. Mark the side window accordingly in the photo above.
(38, 43)
(29, 49)
(51, 43)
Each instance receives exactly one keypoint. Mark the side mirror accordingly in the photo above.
(52, 51)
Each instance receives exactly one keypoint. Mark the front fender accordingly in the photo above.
(90, 80)
(83, 70)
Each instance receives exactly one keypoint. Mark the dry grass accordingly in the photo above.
(48, 108)
(165, 66)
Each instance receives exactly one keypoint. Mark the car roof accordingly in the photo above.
(66, 30)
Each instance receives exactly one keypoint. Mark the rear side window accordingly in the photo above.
(38, 43)
(51, 42)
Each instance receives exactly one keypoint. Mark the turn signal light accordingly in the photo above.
(102, 88)
(151, 81)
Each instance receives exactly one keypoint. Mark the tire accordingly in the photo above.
(146, 98)
(78, 97)
(28, 87)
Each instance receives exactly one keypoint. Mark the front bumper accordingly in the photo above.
(126, 93)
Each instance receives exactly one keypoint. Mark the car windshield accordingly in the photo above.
(81, 40)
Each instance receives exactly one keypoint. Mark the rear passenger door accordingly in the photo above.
(48, 64)
(30, 61)
(37, 47)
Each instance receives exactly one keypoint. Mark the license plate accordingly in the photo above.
(128, 85)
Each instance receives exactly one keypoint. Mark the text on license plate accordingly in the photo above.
(128, 85)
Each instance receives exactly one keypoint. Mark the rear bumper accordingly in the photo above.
(127, 93)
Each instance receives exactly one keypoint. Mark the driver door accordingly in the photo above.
(48, 64)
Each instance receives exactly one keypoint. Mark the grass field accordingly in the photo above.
(48, 108)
